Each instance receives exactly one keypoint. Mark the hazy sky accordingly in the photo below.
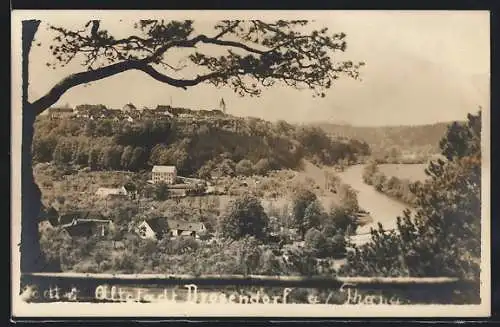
(421, 67)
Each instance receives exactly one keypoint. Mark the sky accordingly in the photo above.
(421, 68)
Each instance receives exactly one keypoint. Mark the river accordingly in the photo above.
(381, 208)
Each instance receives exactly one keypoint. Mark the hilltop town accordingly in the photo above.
(130, 113)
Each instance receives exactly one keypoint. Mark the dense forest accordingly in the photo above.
(217, 146)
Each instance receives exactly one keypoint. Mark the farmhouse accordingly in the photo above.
(155, 228)
(70, 216)
(184, 228)
(88, 227)
(84, 224)
(105, 192)
(165, 174)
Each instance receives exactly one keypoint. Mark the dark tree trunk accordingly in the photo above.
(31, 256)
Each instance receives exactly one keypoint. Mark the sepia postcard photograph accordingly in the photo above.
(250, 163)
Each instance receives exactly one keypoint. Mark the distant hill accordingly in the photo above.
(406, 138)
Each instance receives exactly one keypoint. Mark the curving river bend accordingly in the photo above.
(382, 208)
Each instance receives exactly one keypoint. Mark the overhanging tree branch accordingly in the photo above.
(274, 51)
(93, 75)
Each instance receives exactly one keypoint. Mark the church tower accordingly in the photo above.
(222, 105)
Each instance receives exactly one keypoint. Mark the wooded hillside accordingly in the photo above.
(196, 145)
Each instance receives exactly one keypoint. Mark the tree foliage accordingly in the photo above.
(302, 199)
(443, 236)
(400, 189)
(245, 216)
(259, 53)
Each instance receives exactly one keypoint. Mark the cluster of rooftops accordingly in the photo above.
(87, 223)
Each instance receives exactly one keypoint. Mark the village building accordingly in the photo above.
(186, 115)
(156, 228)
(153, 228)
(165, 174)
(164, 110)
(88, 227)
(105, 192)
(59, 113)
(129, 107)
(90, 110)
(84, 224)
(184, 228)
(69, 216)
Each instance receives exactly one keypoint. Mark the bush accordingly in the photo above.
(182, 245)
(262, 166)
(244, 168)
(318, 244)
(86, 267)
(125, 263)
(338, 246)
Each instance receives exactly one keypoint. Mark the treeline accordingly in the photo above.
(400, 189)
(236, 146)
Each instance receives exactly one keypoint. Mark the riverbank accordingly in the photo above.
(382, 209)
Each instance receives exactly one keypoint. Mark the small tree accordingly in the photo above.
(245, 216)
(300, 260)
(302, 199)
(160, 192)
(270, 264)
(262, 166)
(342, 219)
(244, 167)
(249, 254)
(338, 245)
(317, 243)
(368, 172)
(348, 198)
(313, 215)
(225, 168)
